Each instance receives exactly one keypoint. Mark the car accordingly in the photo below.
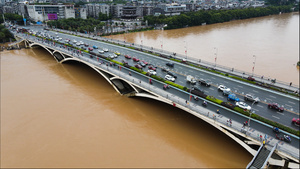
(296, 121)
(165, 69)
(77, 44)
(249, 97)
(195, 88)
(105, 49)
(86, 45)
(138, 66)
(83, 48)
(233, 97)
(250, 78)
(151, 68)
(117, 53)
(125, 62)
(135, 59)
(243, 106)
(222, 88)
(111, 56)
(95, 47)
(276, 107)
(151, 72)
(204, 82)
(81, 43)
(170, 64)
(90, 49)
(67, 40)
(127, 56)
(170, 78)
(142, 64)
(74, 41)
(146, 63)
(172, 74)
(100, 51)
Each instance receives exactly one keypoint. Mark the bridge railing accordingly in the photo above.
(143, 82)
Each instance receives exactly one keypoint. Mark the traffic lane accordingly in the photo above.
(190, 71)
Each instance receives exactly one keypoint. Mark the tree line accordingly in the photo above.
(5, 35)
(215, 16)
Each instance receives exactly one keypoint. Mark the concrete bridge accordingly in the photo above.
(137, 85)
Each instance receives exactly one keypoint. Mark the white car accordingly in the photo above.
(105, 49)
(74, 41)
(111, 56)
(100, 51)
(170, 78)
(81, 43)
(222, 88)
(152, 72)
(78, 44)
(243, 105)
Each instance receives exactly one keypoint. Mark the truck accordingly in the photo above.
(191, 79)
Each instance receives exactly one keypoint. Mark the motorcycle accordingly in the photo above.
(276, 130)
(287, 138)
(166, 87)
(204, 104)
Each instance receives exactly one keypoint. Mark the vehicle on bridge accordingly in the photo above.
(146, 63)
(142, 64)
(117, 53)
(151, 72)
(249, 97)
(233, 97)
(135, 59)
(95, 47)
(204, 82)
(170, 78)
(164, 69)
(296, 121)
(152, 68)
(90, 49)
(172, 74)
(138, 66)
(243, 106)
(105, 49)
(222, 88)
(100, 51)
(191, 79)
(170, 64)
(276, 107)
(127, 56)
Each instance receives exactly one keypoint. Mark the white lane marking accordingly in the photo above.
(191, 70)
(240, 86)
(276, 117)
(272, 96)
(255, 91)
(260, 106)
(225, 82)
(255, 110)
(279, 113)
(211, 88)
(212, 77)
(268, 99)
(288, 105)
(291, 102)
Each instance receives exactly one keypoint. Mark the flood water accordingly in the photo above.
(273, 40)
(67, 115)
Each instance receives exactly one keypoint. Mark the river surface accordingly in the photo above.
(273, 40)
(67, 115)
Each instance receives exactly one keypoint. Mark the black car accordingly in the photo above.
(172, 74)
(170, 64)
(204, 82)
(197, 89)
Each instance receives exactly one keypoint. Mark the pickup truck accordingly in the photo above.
(191, 79)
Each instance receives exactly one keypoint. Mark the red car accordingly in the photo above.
(275, 106)
(250, 78)
(127, 56)
(296, 121)
(135, 59)
(146, 63)
(151, 68)
(90, 49)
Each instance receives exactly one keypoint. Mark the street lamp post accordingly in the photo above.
(253, 64)
(216, 56)
(162, 48)
(185, 49)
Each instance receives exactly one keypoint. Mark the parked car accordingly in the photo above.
(95, 47)
(276, 107)
(249, 97)
(170, 64)
(296, 121)
(151, 72)
(250, 78)
(138, 66)
(172, 74)
(233, 97)
(170, 78)
(151, 68)
(243, 106)
(100, 51)
(204, 82)
(127, 56)
(135, 59)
